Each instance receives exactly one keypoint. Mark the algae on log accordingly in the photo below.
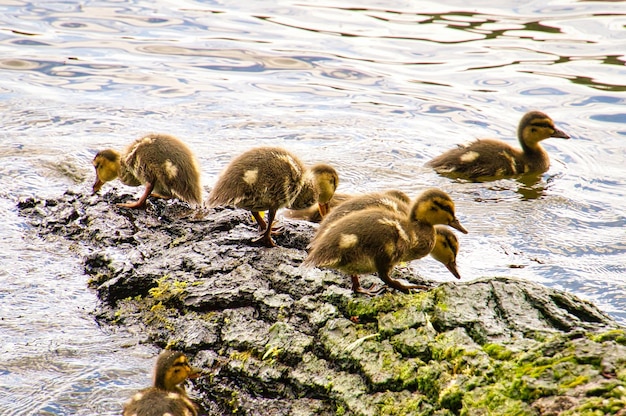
(283, 340)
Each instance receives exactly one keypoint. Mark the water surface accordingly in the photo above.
(375, 88)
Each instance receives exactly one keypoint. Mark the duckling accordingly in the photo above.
(166, 396)
(163, 163)
(270, 178)
(486, 159)
(376, 239)
(446, 245)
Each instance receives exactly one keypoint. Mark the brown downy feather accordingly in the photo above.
(163, 163)
(376, 239)
(270, 178)
(488, 159)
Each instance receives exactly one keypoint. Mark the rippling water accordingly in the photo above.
(375, 88)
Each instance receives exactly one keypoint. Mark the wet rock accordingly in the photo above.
(277, 339)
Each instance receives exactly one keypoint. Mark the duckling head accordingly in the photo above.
(325, 180)
(107, 165)
(172, 368)
(446, 249)
(434, 206)
(536, 126)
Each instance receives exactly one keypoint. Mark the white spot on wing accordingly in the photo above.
(348, 241)
(171, 170)
(250, 176)
(470, 156)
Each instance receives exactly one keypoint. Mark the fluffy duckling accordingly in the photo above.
(166, 396)
(270, 178)
(446, 246)
(163, 163)
(376, 239)
(486, 159)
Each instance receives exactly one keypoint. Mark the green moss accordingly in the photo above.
(369, 308)
(529, 389)
(571, 383)
(452, 398)
(404, 404)
(598, 406)
(617, 335)
(498, 352)
(429, 380)
(494, 401)
(542, 365)
(607, 389)
(167, 289)
(242, 356)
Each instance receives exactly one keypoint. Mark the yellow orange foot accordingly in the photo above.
(133, 205)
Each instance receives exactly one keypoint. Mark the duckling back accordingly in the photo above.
(392, 200)
(166, 162)
(155, 402)
(259, 179)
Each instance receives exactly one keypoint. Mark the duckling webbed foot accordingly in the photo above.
(266, 237)
(373, 290)
(265, 240)
(396, 284)
(141, 202)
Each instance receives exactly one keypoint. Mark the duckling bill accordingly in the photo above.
(270, 178)
(375, 239)
(166, 396)
(487, 159)
(163, 163)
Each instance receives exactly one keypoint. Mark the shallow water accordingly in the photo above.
(375, 88)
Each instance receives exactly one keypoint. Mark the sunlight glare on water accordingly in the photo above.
(374, 88)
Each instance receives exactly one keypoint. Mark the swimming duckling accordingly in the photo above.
(270, 178)
(163, 163)
(166, 396)
(486, 159)
(376, 239)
